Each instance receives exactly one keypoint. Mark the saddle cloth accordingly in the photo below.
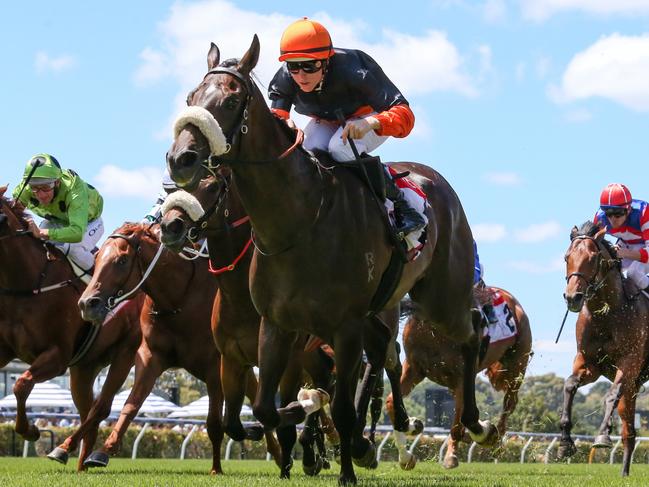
(506, 326)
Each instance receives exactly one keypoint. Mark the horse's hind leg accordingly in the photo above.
(47, 365)
(626, 410)
(376, 405)
(234, 381)
(394, 369)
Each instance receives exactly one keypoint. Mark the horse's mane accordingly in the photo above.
(129, 228)
(17, 207)
(590, 229)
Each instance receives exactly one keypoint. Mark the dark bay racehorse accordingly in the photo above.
(235, 321)
(175, 324)
(321, 248)
(45, 329)
(612, 335)
(439, 359)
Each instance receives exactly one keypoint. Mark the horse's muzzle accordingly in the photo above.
(93, 309)
(574, 301)
(173, 233)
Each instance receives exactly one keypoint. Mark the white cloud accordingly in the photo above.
(503, 178)
(540, 10)
(615, 67)
(488, 232)
(44, 62)
(143, 182)
(537, 232)
(531, 267)
(580, 115)
(494, 10)
(182, 52)
(564, 346)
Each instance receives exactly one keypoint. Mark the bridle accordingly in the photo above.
(233, 139)
(121, 295)
(592, 283)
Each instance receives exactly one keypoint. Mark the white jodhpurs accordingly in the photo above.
(320, 134)
(634, 269)
(80, 252)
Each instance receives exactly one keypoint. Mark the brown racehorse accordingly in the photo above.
(612, 334)
(439, 359)
(321, 248)
(175, 324)
(45, 329)
(235, 321)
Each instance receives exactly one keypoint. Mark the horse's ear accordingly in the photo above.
(573, 233)
(600, 233)
(3, 189)
(250, 58)
(213, 57)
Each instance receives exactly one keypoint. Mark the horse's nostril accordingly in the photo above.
(186, 159)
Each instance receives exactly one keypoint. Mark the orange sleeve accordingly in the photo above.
(397, 121)
(278, 112)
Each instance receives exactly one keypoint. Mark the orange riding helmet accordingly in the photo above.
(305, 39)
(615, 195)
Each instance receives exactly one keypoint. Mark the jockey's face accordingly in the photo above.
(307, 81)
(44, 193)
(617, 220)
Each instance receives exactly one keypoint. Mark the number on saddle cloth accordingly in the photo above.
(505, 327)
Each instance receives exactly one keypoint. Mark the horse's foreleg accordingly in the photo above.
(376, 405)
(348, 348)
(213, 421)
(581, 375)
(399, 415)
(291, 411)
(272, 445)
(147, 370)
(611, 400)
(234, 381)
(626, 410)
(272, 363)
(47, 365)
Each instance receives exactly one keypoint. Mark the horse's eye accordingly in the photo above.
(122, 260)
(231, 103)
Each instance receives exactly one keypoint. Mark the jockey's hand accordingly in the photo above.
(356, 129)
(290, 123)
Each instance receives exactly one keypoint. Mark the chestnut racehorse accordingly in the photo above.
(612, 334)
(321, 248)
(175, 326)
(438, 359)
(40, 324)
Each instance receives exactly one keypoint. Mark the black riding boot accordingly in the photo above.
(407, 218)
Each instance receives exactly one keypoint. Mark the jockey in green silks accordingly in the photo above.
(70, 208)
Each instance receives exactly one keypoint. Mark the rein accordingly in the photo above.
(231, 267)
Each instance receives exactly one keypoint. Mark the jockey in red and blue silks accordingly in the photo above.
(628, 220)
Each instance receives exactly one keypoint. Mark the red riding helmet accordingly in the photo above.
(306, 39)
(615, 195)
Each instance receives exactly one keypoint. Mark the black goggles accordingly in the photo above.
(615, 212)
(308, 67)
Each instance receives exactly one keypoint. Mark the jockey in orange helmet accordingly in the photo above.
(318, 80)
(628, 220)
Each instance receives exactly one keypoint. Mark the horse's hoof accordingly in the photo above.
(325, 464)
(59, 455)
(450, 462)
(97, 459)
(368, 457)
(602, 441)
(374, 465)
(345, 480)
(566, 450)
(407, 461)
(337, 453)
(255, 432)
(416, 426)
(313, 470)
(285, 472)
(489, 437)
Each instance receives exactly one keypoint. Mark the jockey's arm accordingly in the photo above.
(641, 255)
(77, 217)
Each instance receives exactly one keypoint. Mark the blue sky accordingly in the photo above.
(528, 107)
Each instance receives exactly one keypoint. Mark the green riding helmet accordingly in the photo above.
(47, 169)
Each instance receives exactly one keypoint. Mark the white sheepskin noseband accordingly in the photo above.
(184, 200)
(208, 126)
